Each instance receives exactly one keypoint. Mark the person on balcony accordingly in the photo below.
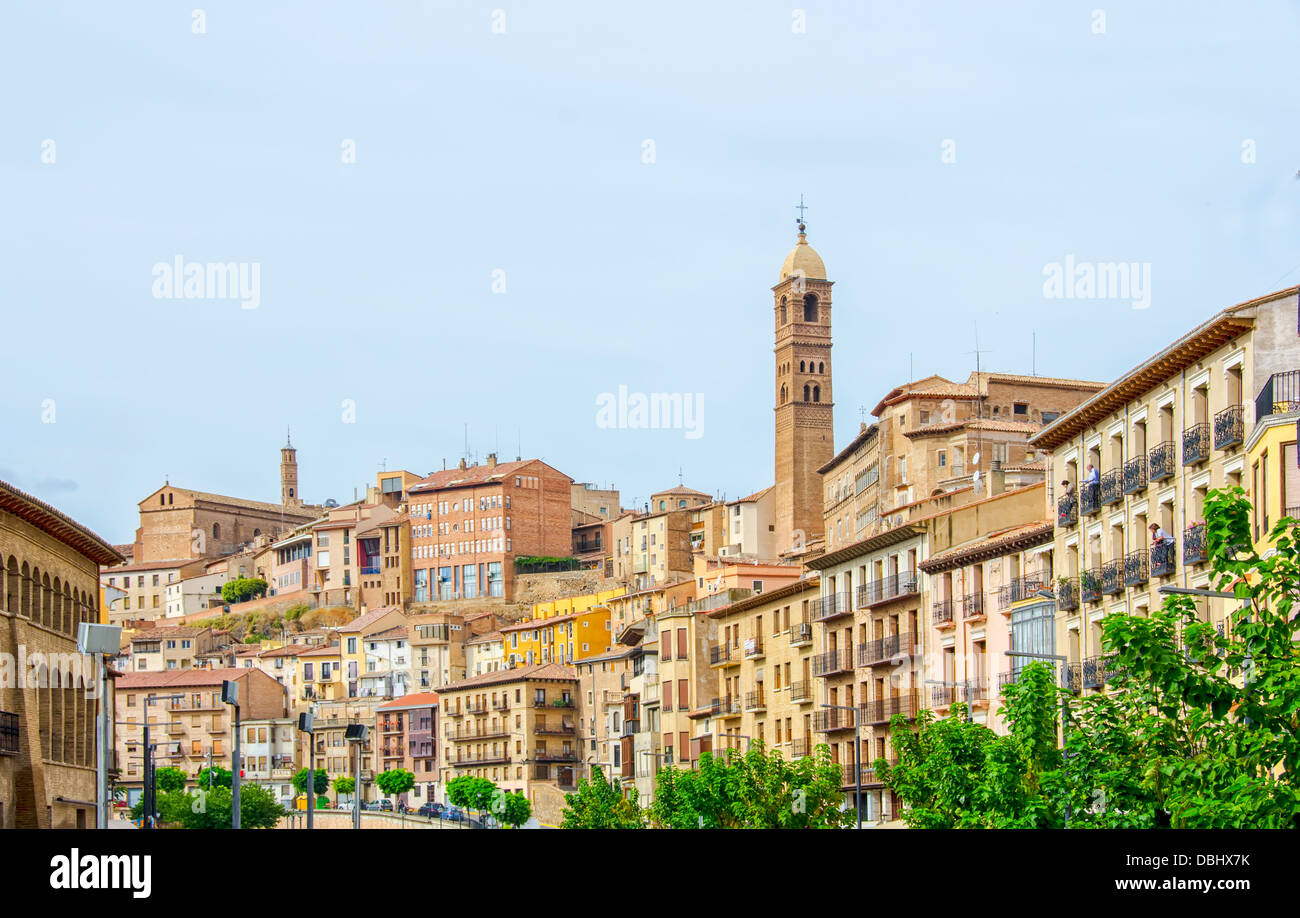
(1159, 536)
(1093, 477)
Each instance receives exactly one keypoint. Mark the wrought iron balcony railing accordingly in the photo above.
(1112, 577)
(755, 701)
(883, 650)
(1112, 487)
(829, 720)
(1164, 558)
(1067, 594)
(1136, 568)
(1196, 444)
(880, 710)
(1089, 497)
(801, 692)
(1280, 395)
(903, 583)
(800, 634)
(1135, 475)
(719, 655)
(1195, 551)
(831, 606)
(1090, 585)
(1160, 461)
(1096, 671)
(941, 612)
(1229, 427)
(1067, 510)
(1018, 589)
(832, 661)
(972, 606)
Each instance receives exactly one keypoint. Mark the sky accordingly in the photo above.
(549, 200)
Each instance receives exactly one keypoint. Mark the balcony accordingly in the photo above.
(1230, 427)
(1280, 395)
(1196, 444)
(1007, 678)
(801, 692)
(1160, 462)
(1090, 585)
(720, 656)
(370, 570)
(1067, 594)
(886, 649)
(1164, 557)
(832, 662)
(554, 729)
(831, 606)
(1112, 577)
(1067, 511)
(941, 613)
(1135, 475)
(800, 746)
(1020, 589)
(800, 634)
(880, 710)
(831, 720)
(972, 606)
(755, 701)
(1136, 568)
(554, 755)
(727, 706)
(887, 588)
(941, 697)
(1195, 551)
(476, 707)
(488, 733)
(501, 704)
(1096, 671)
(868, 775)
(486, 758)
(753, 648)
(1112, 487)
(1089, 497)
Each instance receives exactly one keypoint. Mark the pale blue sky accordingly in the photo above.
(522, 152)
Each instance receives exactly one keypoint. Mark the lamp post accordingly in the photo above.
(1248, 664)
(230, 695)
(857, 763)
(356, 734)
(1065, 705)
(305, 725)
(149, 791)
(103, 641)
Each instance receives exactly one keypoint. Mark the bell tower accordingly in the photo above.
(804, 404)
(289, 474)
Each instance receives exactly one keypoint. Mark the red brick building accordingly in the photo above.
(408, 738)
(469, 524)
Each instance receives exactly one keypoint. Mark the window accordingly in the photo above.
(1020, 409)
(810, 308)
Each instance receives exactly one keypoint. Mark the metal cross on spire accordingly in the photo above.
(801, 208)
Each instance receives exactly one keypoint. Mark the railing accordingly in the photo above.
(1135, 475)
(755, 701)
(1196, 444)
(545, 755)
(1280, 395)
(1067, 510)
(941, 613)
(1112, 577)
(1097, 670)
(800, 746)
(832, 719)
(1195, 551)
(753, 647)
(900, 584)
(941, 696)
(8, 733)
(725, 706)
(1164, 558)
(1090, 585)
(1136, 568)
(972, 605)
(1112, 487)
(370, 569)
(1018, 589)
(1067, 594)
(487, 758)
(882, 650)
(476, 707)
(832, 661)
(1007, 678)
(1089, 497)
(831, 606)
(800, 692)
(880, 710)
(502, 704)
(1073, 677)
(719, 655)
(800, 634)
(489, 733)
(560, 729)
(1229, 427)
(1160, 461)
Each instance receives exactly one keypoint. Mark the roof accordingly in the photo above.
(1202, 340)
(531, 623)
(287, 510)
(1019, 379)
(930, 387)
(414, 700)
(182, 678)
(64, 528)
(1024, 427)
(994, 545)
(169, 564)
(362, 622)
(333, 650)
(803, 261)
(682, 490)
(472, 475)
(607, 656)
(541, 671)
(487, 638)
(397, 632)
(759, 599)
(756, 496)
(153, 634)
(865, 433)
(871, 543)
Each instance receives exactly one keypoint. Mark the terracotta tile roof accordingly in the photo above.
(864, 434)
(172, 564)
(681, 490)
(995, 544)
(549, 671)
(333, 650)
(1020, 379)
(414, 700)
(757, 495)
(365, 621)
(397, 632)
(1028, 428)
(468, 477)
(154, 634)
(487, 638)
(930, 387)
(179, 678)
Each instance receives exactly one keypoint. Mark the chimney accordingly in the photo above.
(492, 460)
(997, 478)
(462, 464)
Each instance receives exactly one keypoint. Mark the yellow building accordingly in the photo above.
(563, 631)
(1272, 463)
(320, 675)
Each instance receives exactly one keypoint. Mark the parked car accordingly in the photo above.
(386, 805)
(370, 806)
(453, 813)
(430, 810)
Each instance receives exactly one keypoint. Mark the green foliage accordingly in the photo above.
(242, 589)
(344, 784)
(319, 786)
(597, 804)
(512, 809)
(471, 793)
(221, 777)
(210, 809)
(169, 779)
(296, 611)
(755, 790)
(395, 782)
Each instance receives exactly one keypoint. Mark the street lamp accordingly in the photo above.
(103, 641)
(356, 734)
(305, 725)
(1065, 710)
(857, 763)
(230, 696)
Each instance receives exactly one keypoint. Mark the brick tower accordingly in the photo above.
(289, 475)
(804, 424)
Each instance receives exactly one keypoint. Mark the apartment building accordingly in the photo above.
(469, 524)
(357, 656)
(438, 649)
(518, 728)
(194, 594)
(750, 525)
(1272, 463)
(268, 748)
(654, 548)
(291, 564)
(1160, 438)
(763, 664)
(320, 674)
(636, 605)
(145, 585)
(686, 682)
(605, 713)
(709, 529)
(384, 556)
(408, 738)
(333, 751)
(158, 649)
(49, 579)
(485, 653)
(347, 551)
(562, 631)
(591, 502)
(187, 718)
(387, 663)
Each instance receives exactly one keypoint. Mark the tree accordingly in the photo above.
(319, 786)
(756, 790)
(597, 804)
(169, 779)
(471, 793)
(512, 809)
(242, 589)
(221, 777)
(394, 782)
(344, 785)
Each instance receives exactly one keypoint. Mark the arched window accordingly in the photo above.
(12, 581)
(162, 500)
(781, 316)
(256, 533)
(801, 367)
(171, 499)
(810, 308)
(291, 492)
(807, 393)
(817, 393)
(216, 530)
(783, 393)
(821, 367)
